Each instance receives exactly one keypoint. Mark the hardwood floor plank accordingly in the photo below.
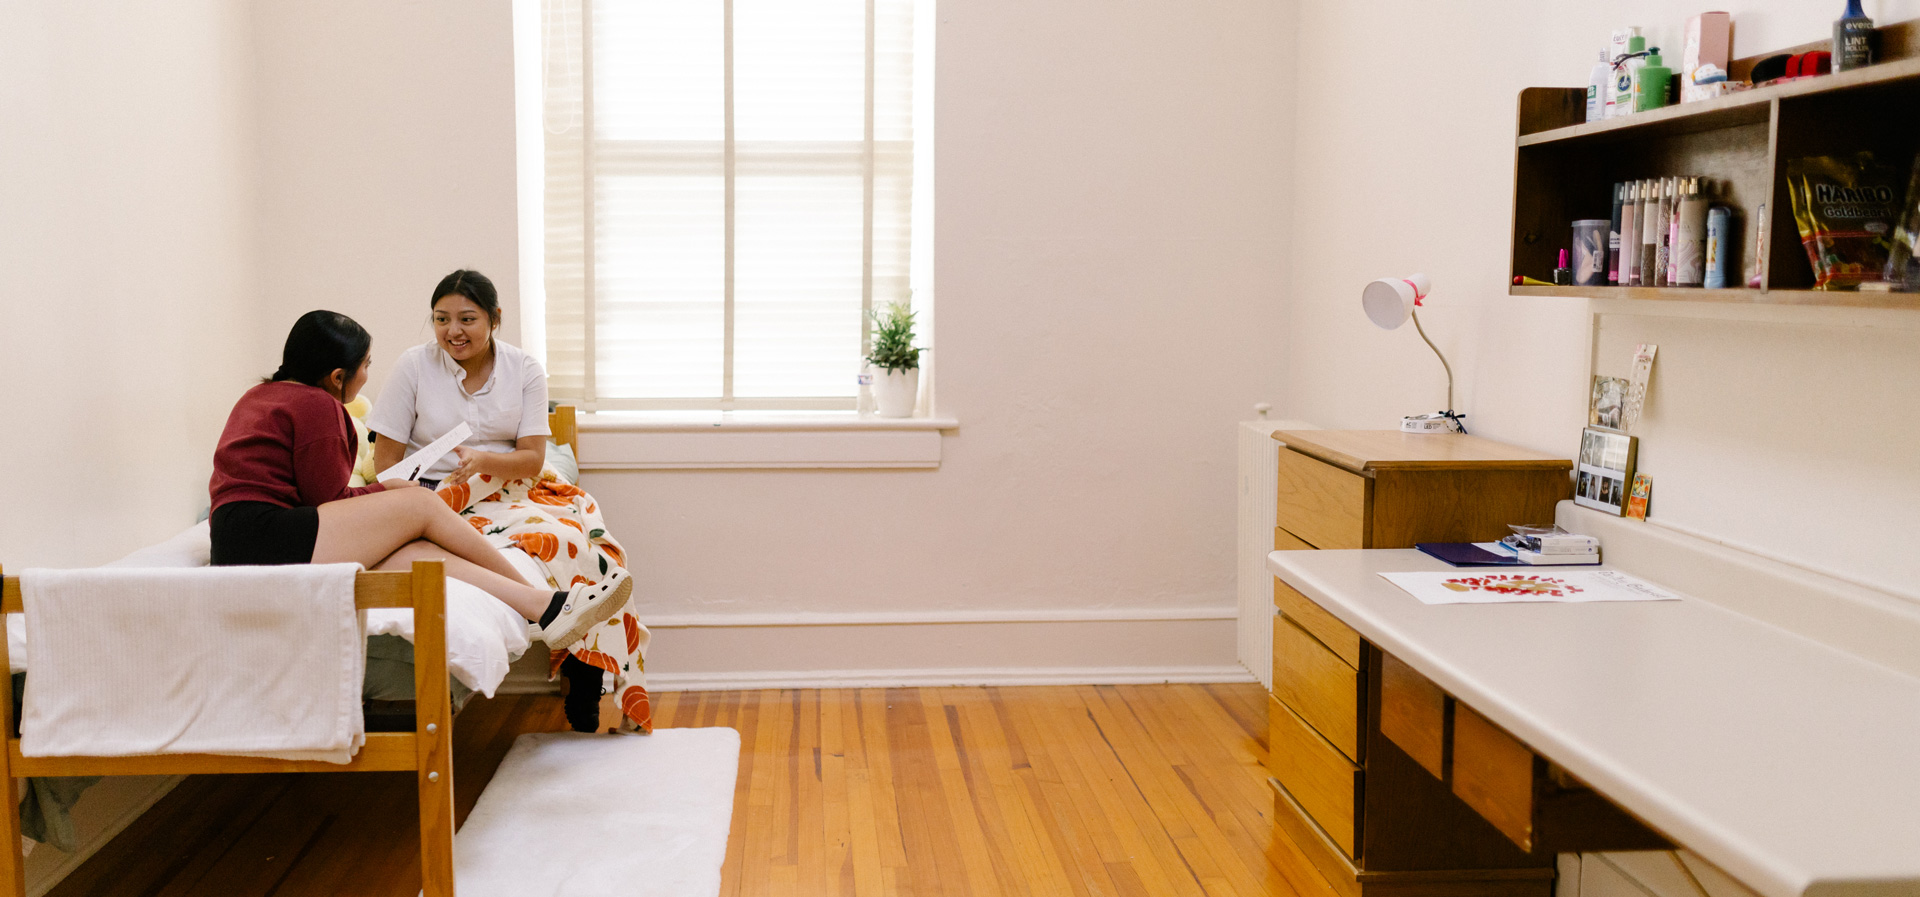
(1112, 791)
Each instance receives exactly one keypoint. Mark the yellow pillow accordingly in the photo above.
(363, 470)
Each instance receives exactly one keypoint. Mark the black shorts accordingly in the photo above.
(260, 533)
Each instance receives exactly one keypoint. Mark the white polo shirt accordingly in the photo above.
(423, 399)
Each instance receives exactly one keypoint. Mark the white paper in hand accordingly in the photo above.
(410, 468)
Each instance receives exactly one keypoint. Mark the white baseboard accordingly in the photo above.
(933, 678)
(1036, 647)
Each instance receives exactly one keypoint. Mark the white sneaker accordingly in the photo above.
(587, 606)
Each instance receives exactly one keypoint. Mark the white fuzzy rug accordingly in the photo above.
(598, 815)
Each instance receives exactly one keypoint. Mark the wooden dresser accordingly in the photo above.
(1368, 816)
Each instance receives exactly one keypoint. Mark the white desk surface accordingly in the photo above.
(1791, 765)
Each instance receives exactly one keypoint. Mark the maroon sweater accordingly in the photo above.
(287, 444)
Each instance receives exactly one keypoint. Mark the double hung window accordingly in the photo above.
(729, 186)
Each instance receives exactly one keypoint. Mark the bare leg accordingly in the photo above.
(366, 529)
(528, 600)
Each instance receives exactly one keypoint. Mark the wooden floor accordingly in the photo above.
(1112, 790)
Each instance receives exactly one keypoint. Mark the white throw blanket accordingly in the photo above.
(252, 661)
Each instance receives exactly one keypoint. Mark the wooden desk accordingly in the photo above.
(1372, 820)
(1789, 763)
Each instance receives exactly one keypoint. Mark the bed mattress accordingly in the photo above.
(484, 636)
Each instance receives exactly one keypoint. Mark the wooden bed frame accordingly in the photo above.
(427, 750)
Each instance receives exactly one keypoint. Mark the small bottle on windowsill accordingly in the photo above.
(864, 404)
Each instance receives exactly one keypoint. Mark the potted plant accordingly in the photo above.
(897, 388)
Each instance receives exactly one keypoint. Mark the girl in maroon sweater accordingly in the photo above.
(280, 493)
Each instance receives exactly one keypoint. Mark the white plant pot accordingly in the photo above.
(896, 392)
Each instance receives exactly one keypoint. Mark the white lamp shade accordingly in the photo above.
(1389, 301)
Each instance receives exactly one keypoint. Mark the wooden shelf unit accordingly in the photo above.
(1565, 167)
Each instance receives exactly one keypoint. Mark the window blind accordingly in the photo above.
(729, 188)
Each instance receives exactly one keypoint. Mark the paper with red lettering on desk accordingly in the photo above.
(1489, 587)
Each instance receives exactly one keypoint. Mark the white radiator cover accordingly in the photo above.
(1259, 466)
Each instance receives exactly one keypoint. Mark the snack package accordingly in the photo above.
(1903, 260)
(1845, 207)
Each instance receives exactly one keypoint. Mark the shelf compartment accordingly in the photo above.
(1851, 299)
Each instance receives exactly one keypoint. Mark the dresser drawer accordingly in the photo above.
(1337, 636)
(1286, 541)
(1413, 714)
(1321, 503)
(1319, 778)
(1494, 774)
(1316, 684)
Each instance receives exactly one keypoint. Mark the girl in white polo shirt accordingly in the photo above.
(466, 374)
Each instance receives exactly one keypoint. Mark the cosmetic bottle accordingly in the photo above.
(1597, 81)
(1652, 84)
(1616, 51)
(1719, 246)
(1652, 266)
(1689, 256)
(1852, 40)
(1613, 235)
(1563, 275)
(1623, 69)
(1630, 236)
(1671, 237)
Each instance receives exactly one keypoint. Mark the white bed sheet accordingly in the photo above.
(484, 636)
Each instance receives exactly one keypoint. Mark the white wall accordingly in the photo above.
(1787, 437)
(1110, 238)
(127, 320)
(387, 161)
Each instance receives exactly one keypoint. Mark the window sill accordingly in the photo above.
(758, 440)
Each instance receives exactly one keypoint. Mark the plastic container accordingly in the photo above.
(1852, 40)
(1719, 247)
(1652, 85)
(1590, 252)
(1623, 70)
(1597, 81)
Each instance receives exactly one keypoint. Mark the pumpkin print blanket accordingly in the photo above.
(560, 527)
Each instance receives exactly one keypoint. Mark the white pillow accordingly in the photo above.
(563, 461)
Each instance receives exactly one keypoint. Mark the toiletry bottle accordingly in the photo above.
(1563, 274)
(1671, 237)
(1616, 51)
(1653, 223)
(1719, 246)
(1613, 235)
(1852, 40)
(1652, 84)
(1759, 255)
(1597, 81)
(1689, 259)
(1623, 70)
(1630, 236)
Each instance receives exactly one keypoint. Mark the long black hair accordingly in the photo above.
(473, 285)
(320, 343)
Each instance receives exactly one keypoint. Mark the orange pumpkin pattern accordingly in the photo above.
(457, 497)
(540, 516)
(545, 546)
(635, 706)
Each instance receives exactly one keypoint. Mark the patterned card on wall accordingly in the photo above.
(1637, 386)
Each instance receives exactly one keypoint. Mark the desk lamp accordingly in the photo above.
(1389, 302)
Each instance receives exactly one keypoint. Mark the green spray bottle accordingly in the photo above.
(1651, 84)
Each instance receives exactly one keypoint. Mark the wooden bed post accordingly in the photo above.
(13, 866)
(433, 719)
